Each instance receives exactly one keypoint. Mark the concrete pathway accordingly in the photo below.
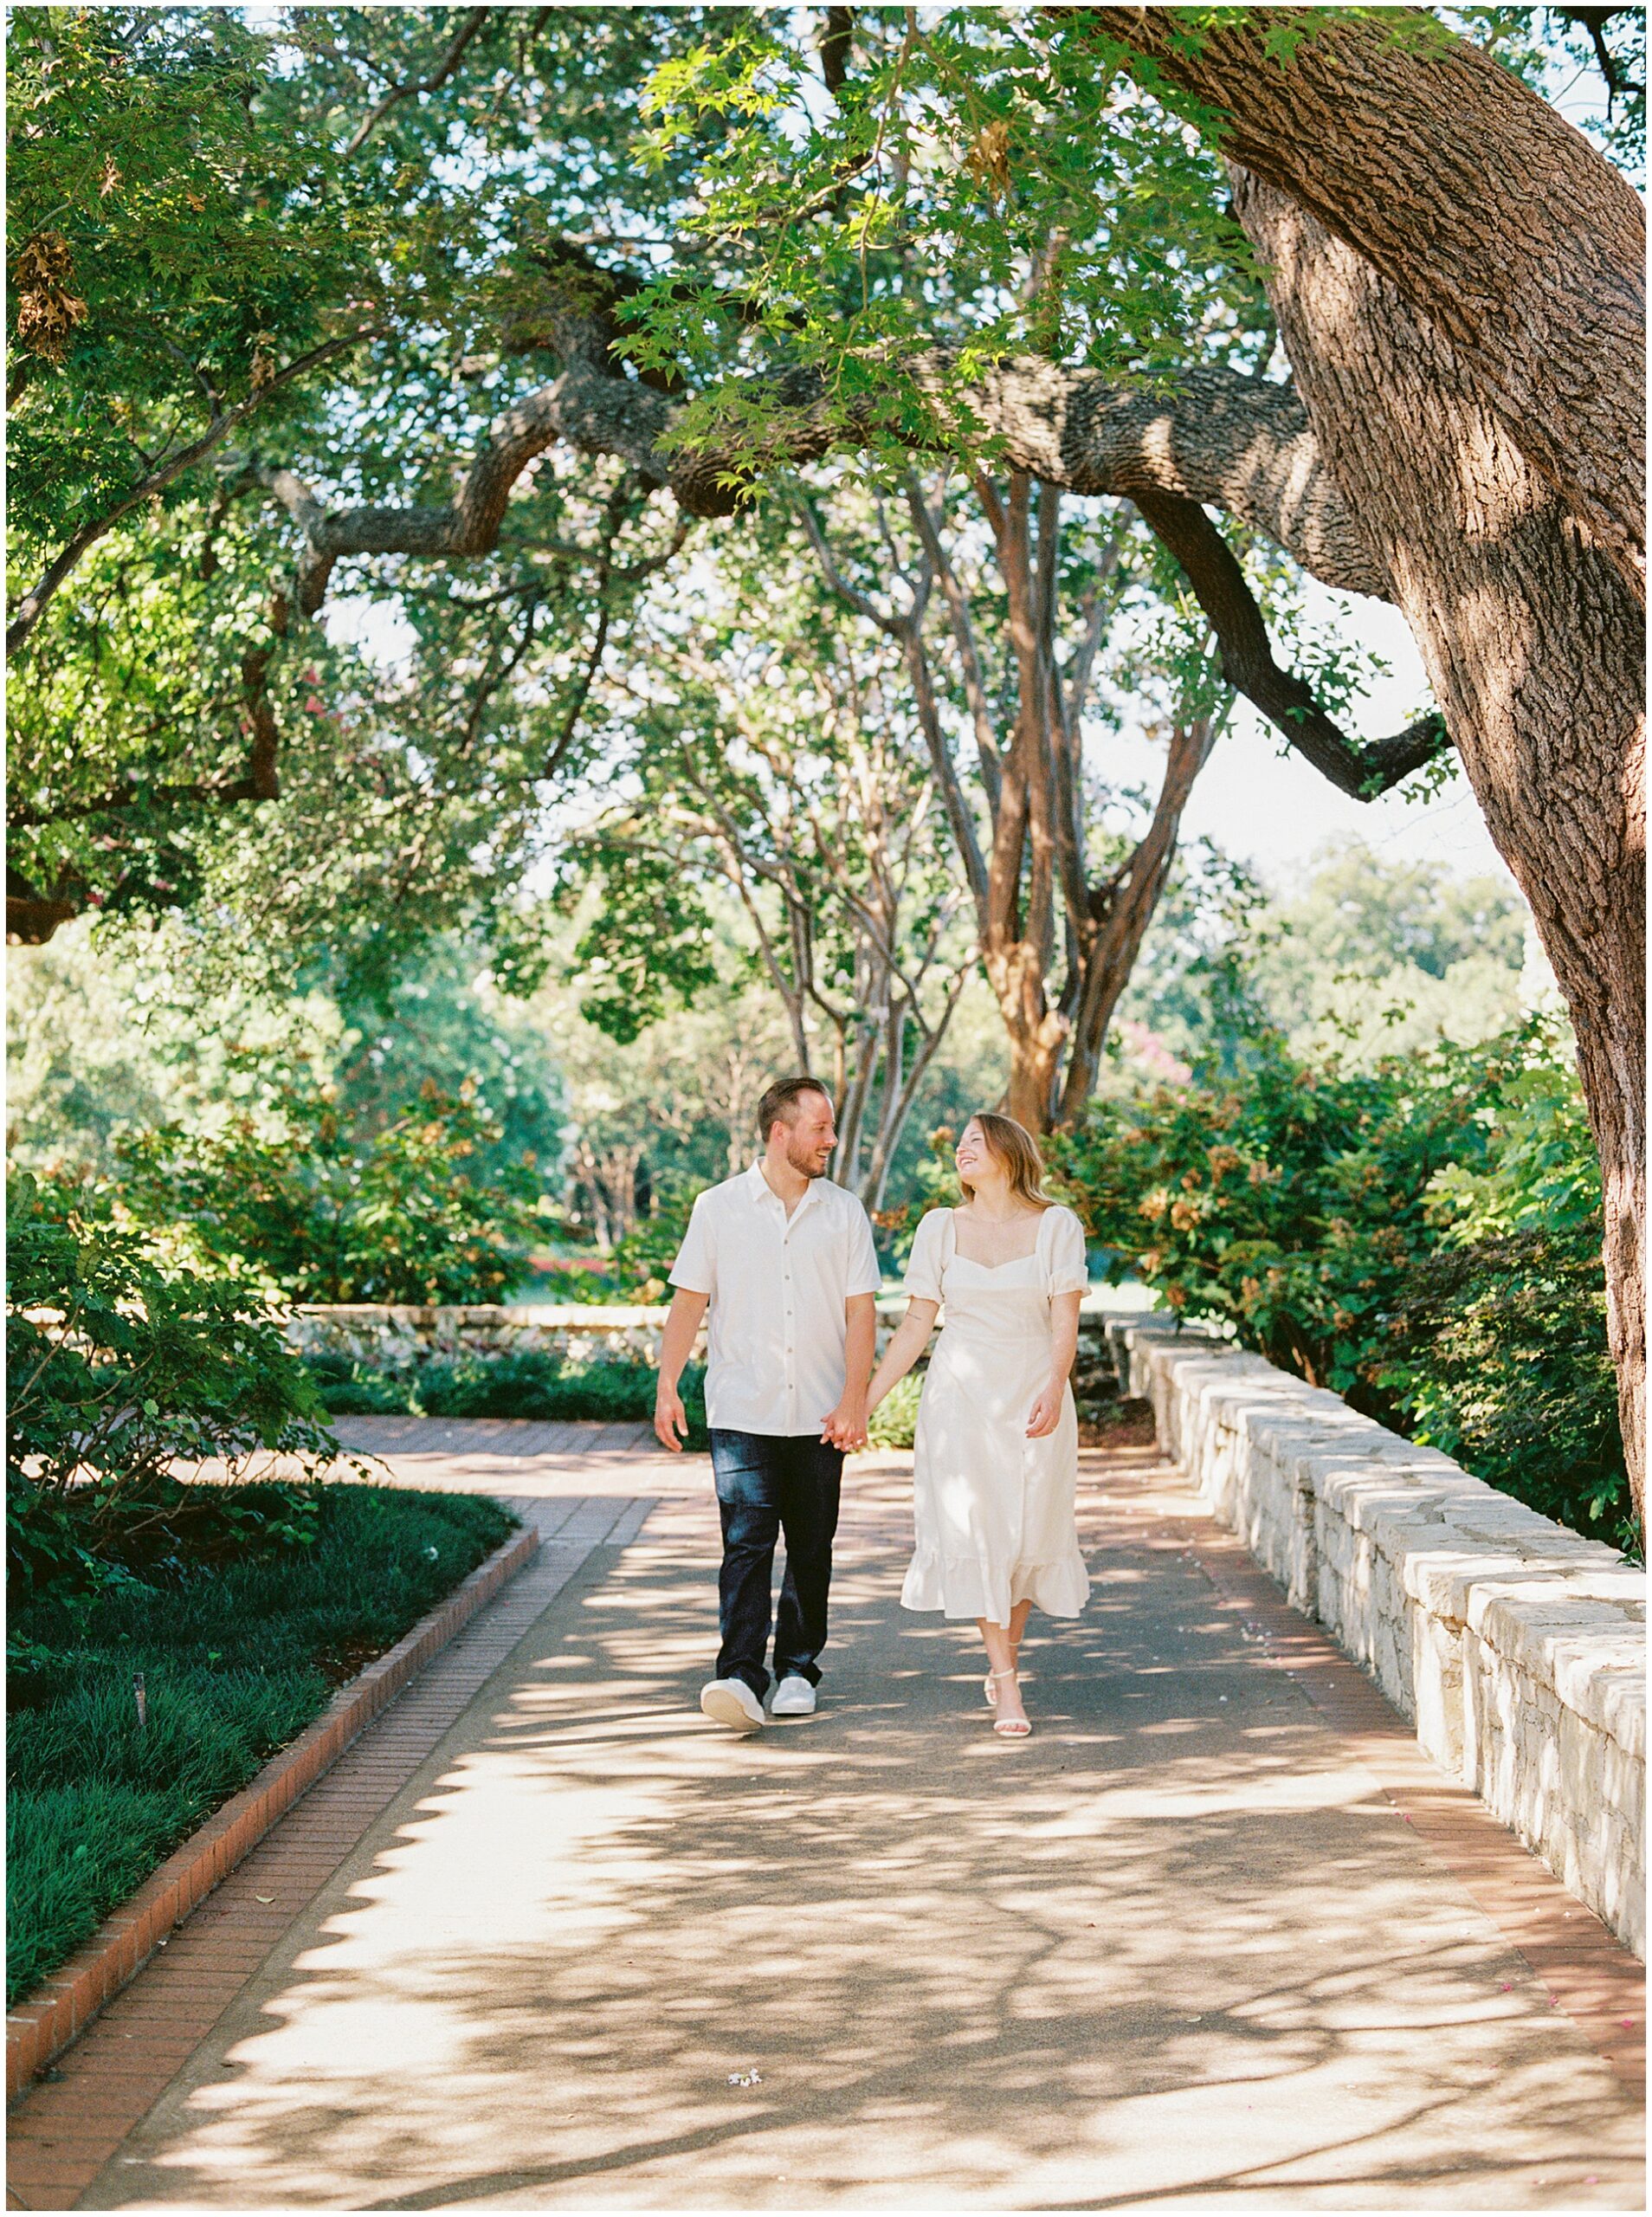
(1217, 1936)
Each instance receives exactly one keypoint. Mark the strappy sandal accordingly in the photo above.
(991, 1690)
(1008, 1728)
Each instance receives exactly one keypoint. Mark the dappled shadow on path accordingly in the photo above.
(1175, 1947)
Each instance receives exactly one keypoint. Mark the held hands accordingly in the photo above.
(1046, 1412)
(846, 1426)
(670, 1418)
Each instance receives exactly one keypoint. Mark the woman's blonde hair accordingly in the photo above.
(1016, 1148)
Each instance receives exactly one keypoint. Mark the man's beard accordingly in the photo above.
(806, 1165)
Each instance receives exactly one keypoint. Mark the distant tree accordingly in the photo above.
(776, 752)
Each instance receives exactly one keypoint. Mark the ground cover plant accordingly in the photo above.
(237, 1606)
(240, 1613)
(1423, 1237)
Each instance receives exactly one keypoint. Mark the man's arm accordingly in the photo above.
(676, 1344)
(846, 1426)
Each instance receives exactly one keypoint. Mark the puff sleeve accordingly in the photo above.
(1065, 1269)
(924, 1263)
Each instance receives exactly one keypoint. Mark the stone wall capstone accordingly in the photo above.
(387, 1336)
(1515, 1646)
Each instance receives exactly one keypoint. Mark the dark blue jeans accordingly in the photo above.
(767, 1486)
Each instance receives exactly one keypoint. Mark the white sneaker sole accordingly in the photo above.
(724, 1709)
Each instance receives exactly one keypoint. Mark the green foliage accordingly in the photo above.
(1422, 1238)
(1499, 1355)
(646, 946)
(120, 1366)
(227, 244)
(104, 1039)
(238, 1651)
(198, 209)
(529, 1382)
(1365, 955)
(327, 1212)
(895, 1421)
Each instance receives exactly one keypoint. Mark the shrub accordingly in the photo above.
(118, 1367)
(1424, 1237)
(348, 1387)
(326, 1211)
(532, 1382)
(1499, 1353)
(895, 1421)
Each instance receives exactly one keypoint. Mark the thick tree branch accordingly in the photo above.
(1248, 661)
(31, 915)
(1594, 20)
(836, 36)
(1219, 437)
(1489, 213)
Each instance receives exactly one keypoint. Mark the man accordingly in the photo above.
(785, 1259)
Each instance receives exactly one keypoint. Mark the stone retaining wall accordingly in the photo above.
(1516, 1647)
(386, 1336)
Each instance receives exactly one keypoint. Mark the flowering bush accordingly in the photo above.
(1422, 1238)
(325, 1210)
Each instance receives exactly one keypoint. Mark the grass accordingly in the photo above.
(236, 1659)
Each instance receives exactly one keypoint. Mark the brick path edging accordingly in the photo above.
(63, 2005)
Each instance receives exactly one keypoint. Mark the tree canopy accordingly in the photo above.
(426, 308)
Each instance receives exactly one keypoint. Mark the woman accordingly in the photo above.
(994, 1467)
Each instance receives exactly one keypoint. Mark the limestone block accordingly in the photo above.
(1515, 1644)
(1437, 1693)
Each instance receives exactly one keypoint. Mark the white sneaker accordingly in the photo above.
(731, 1701)
(793, 1697)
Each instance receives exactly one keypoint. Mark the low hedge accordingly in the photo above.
(241, 1623)
(530, 1382)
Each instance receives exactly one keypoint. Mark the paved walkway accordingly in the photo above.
(1216, 1937)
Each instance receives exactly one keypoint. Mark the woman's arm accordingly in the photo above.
(1063, 1345)
(903, 1350)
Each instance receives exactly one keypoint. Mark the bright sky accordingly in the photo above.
(1269, 810)
(1273, 811)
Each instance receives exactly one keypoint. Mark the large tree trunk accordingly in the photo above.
(1036, 1030)
(1533, 642)
(1458, 280)
(1510, 237)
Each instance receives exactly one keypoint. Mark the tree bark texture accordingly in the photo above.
(1494, 221)
(1534, 644)
(1035, 883)
(1214, 436)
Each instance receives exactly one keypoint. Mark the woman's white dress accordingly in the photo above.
(994, 1510)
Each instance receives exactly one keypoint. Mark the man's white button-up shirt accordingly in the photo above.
(776, 1328)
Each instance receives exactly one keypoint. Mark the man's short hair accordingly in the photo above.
(779, 1103)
